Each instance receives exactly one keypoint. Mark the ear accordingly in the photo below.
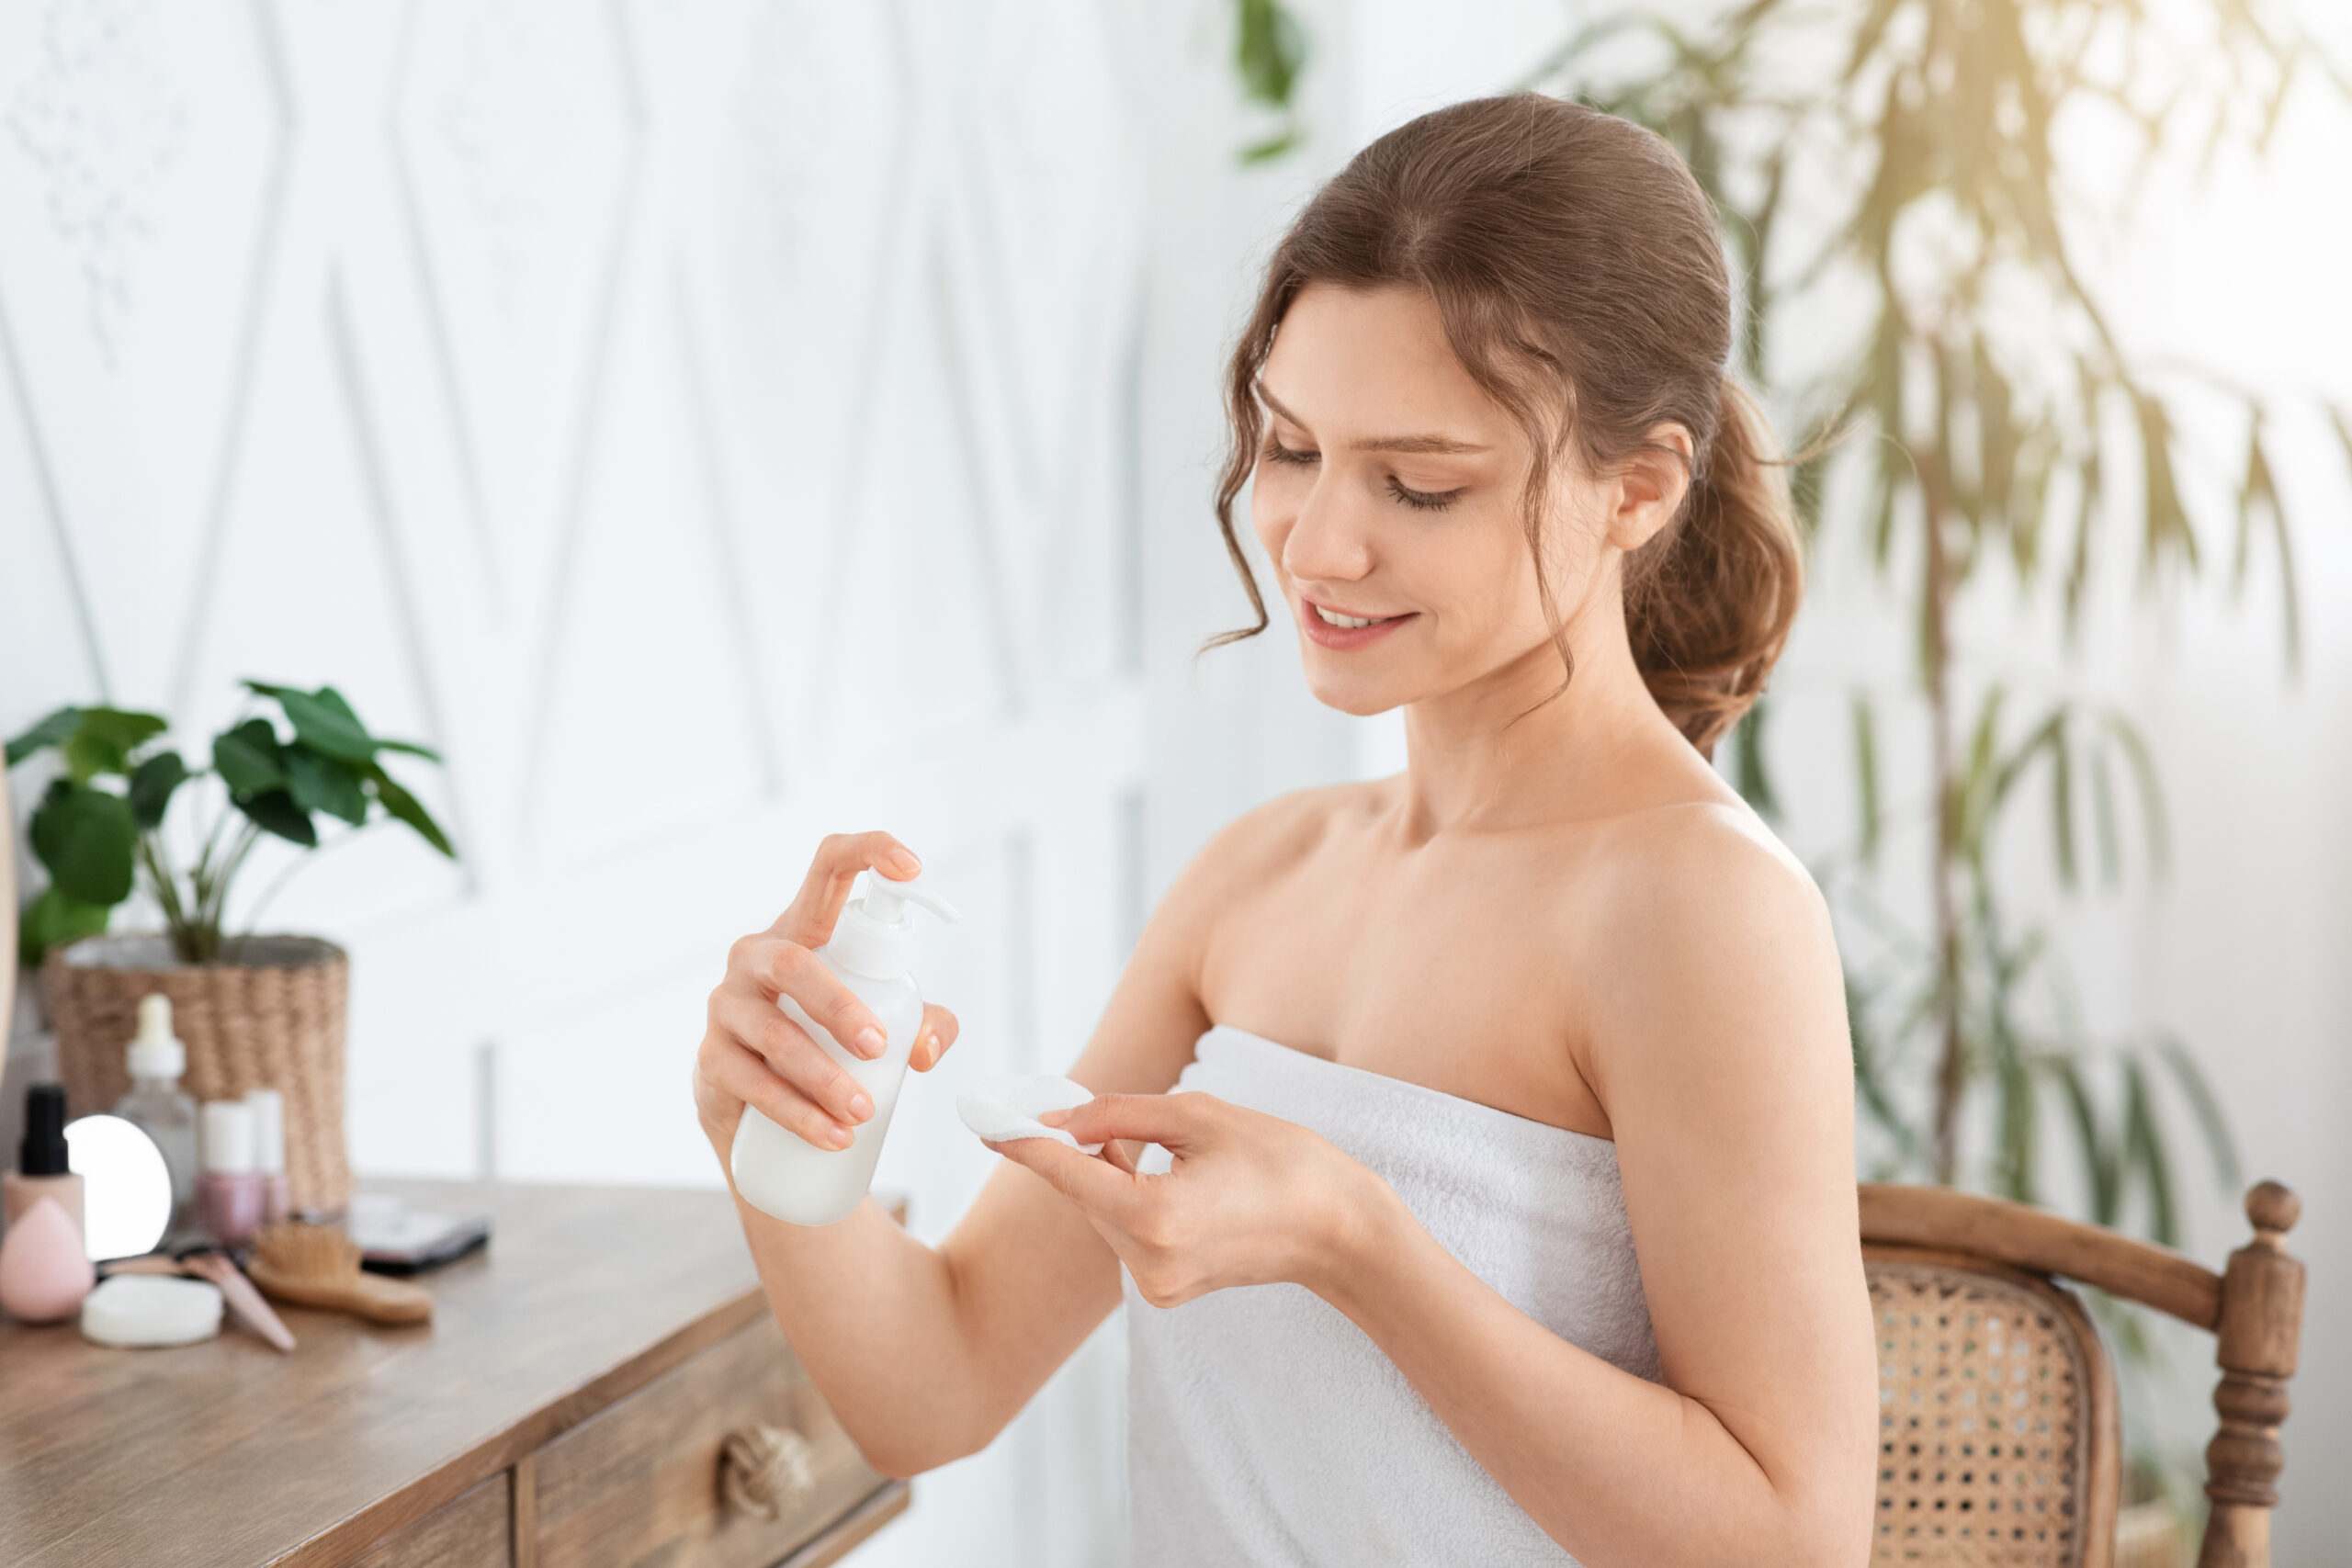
(1650, 486)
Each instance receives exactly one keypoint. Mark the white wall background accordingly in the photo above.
(714, 424)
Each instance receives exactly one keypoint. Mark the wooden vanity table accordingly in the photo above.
(602, 1384)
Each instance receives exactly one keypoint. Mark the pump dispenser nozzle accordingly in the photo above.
(876, 933)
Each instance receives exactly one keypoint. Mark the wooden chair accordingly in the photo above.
(1999, 1441)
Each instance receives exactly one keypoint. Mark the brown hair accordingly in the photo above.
(1575, 263)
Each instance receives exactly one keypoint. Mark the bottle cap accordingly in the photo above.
(228, 1135)
(268, 1108)
(875, 935)
(155, 1052)
(42, 1152)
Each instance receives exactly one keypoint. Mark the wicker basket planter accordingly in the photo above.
(272, 1019)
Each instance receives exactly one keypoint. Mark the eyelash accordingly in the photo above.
(1412, 497)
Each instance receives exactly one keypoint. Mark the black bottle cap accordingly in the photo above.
(43, 1151)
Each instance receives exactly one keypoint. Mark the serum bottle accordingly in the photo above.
(779, 1172)
(156, 1104)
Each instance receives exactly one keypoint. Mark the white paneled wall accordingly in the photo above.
(710, 424)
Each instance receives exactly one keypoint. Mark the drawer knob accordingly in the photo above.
(761, 1468)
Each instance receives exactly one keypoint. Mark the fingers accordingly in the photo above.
(1175, 1120)
(838, 858)
(787, 1052)
(1090, 1183)
(778, 967)
(743, 1073)
(937, 1032)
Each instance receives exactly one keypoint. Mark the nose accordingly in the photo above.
(1325, 545)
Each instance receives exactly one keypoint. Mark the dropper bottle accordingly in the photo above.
(156, 1103)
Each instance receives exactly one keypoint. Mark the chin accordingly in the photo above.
(1349, 698)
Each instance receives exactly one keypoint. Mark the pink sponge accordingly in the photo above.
(44, 1272)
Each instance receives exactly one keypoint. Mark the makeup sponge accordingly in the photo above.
(1007, 1107)
(137, 1310)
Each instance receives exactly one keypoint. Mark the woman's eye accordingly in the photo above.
(1418, 500)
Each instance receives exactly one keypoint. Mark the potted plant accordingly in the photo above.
(256, 1008)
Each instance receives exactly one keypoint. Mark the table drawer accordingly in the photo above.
(730, 1460)
(470, 1531)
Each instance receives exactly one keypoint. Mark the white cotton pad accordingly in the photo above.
(1008, 1105)
(137, 1310)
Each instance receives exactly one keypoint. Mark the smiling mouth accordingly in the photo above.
(1333, 618)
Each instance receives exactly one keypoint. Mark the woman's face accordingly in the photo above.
(1388, 487)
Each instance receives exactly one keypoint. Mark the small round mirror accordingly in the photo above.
(125, 1186)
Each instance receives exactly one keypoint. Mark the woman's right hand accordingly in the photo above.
(752, 1054)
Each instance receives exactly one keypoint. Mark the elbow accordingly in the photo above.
(903, 1455)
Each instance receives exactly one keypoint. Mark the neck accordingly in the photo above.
(1568, 759)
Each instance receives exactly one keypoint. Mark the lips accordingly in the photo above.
(1326, 635)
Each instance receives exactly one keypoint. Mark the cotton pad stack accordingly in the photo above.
(1007, 1107)
(140, 1310)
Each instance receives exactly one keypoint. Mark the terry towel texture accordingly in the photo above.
(1265, 1427)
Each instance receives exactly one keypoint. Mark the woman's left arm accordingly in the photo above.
(1723, 1060)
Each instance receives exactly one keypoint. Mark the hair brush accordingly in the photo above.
(318, 1266)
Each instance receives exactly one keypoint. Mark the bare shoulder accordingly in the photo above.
(1275, 833)
(1701, 912)
(1248, 852)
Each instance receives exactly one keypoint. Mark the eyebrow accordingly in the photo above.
(1437, 444)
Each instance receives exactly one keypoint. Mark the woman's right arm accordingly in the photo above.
(923, 1353)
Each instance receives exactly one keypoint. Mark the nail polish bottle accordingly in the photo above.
(269, 1151)
(231, 1193)
(41, 1171)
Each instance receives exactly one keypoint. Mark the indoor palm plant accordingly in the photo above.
(1935, 119)
(256, 1009)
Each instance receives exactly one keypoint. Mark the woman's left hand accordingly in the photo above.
(1250, 1199)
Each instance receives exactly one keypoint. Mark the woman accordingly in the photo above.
(1478, 1142)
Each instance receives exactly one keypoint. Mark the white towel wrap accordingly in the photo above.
(1266, 1428)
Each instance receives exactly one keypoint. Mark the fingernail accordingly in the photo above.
(904, 862)
(869, 1040)
(841, 1137)
(861, 1105)
(1054, 1118)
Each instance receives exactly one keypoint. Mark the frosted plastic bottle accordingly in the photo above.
(779, 1172)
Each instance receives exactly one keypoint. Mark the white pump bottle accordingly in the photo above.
(779, 1172)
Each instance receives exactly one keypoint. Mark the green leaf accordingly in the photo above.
(2259, 496)
(411, 748)
(1976, 782)
(2098, 1160)
(85, 836)
(249, 759)
(2167, 520)
(2143, 1145)
(326, 784)
(2152, 799)
(1268, 51)
(152, 786)
(103, 741)
(409, 809)
(327, 726)
(52, 920)
(1866, 773)
(2210, 1119)
(53, 729)
(2110, 858)
(276, 811)
(2062, 806)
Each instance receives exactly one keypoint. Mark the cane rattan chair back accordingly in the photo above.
(1999, 1441)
